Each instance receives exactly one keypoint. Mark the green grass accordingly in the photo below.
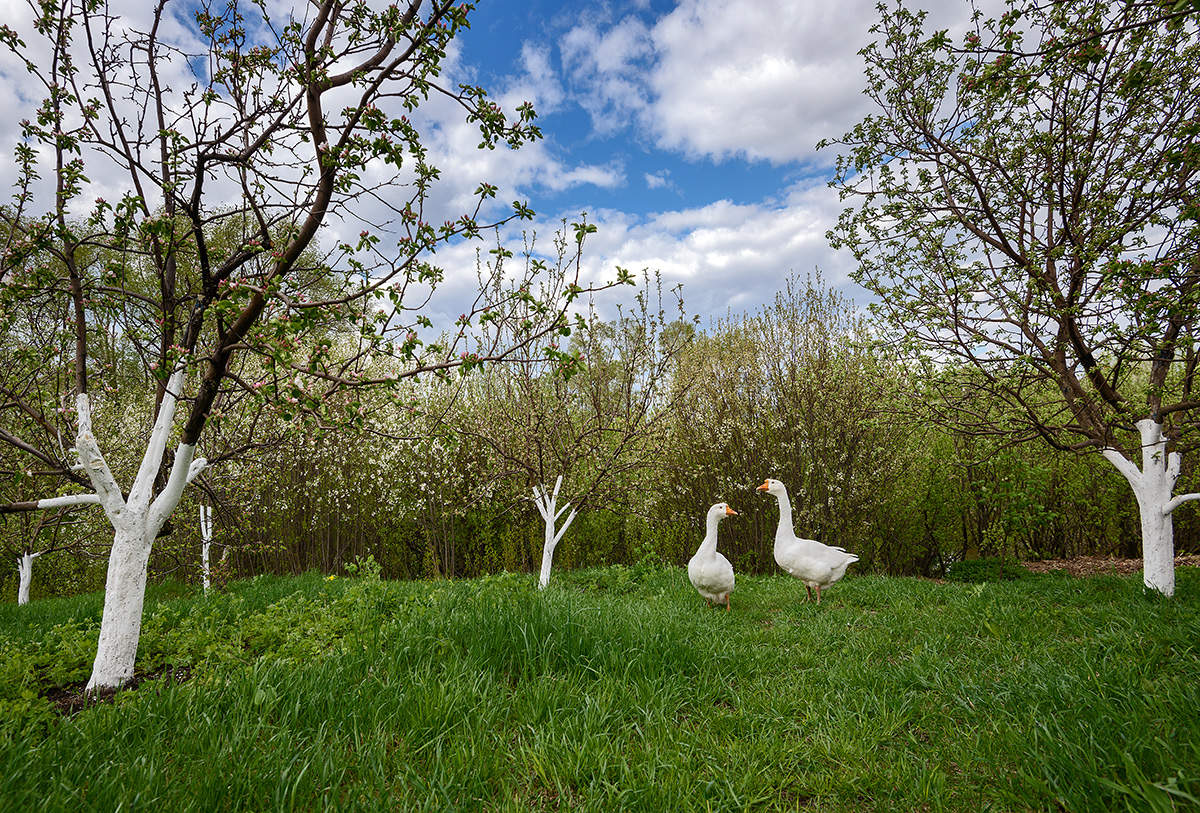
(618, 689)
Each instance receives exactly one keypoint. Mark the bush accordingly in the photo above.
(985, 570)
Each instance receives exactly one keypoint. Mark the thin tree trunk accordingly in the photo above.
(25, 576)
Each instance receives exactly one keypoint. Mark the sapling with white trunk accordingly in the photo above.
(205, 544)
(43, 533)
(1027, 223)
(25, 575)
(547, 506)
(593, 414)
(207, 268)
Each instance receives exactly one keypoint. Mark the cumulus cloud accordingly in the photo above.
(718, 80)
(606, 69)
(727, 255)
(537, 83)
(658, 180)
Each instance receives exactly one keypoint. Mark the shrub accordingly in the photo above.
(985, 570)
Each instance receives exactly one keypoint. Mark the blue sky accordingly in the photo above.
(662, 178)
(686, 130)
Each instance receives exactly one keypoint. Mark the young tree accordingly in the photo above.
(591, 417)
(1026, 208)
(43, 535)
(232, 137)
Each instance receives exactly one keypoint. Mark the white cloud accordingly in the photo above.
(658, 180)
(607, 68)
(727, 255)
(763, 80)
(538, 82)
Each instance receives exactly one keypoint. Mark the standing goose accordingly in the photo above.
(710, 572)
(808, 560)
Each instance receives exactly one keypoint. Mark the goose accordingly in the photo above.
(808, 560)
(710, 572)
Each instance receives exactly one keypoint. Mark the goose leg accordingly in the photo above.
(818, 594)
(809, 589)
(727, 603)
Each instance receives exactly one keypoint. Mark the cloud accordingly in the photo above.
(658, 180)
(537, 83)
(726, 255)
(606, 71)
(711, 79)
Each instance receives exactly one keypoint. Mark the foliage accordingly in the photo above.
(613, 692)
(985, 570)
(795, 392)
(1024, 214)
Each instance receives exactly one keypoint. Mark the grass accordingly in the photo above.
(618, 689)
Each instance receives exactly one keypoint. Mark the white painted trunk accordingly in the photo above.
(205, 543)
(124, 594)
(546, 504)
(25, 576)
(136, 521)
(548, 547)
(1152, 486)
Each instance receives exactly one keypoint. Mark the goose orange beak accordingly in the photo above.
(729, 512)
(763, 487)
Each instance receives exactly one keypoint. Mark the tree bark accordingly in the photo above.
(25, 576)
(136, 520)
(205, 544)
(546, 507)
(1152, 486)
(124, 595)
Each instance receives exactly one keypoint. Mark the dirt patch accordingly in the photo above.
(1098, 565)
(70, 700)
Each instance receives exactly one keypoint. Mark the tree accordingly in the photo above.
(796, 392)
(592, 416)
(1026, 210)
(235, 138)
(43, 535)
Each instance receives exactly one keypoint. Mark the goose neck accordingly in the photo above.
(710, 534)
(785, 512)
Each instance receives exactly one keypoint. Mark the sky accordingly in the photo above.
(685, 131)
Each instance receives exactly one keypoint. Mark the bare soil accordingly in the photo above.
(1097, 565)
(69, 700)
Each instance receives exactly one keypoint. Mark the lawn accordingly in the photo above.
(617, 689)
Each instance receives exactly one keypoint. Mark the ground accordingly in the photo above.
(1095, 565)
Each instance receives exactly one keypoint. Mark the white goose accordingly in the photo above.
(808, 560)
(710, 572)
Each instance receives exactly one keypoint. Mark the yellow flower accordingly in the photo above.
(330, 578)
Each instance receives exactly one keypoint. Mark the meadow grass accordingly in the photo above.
(618, 689)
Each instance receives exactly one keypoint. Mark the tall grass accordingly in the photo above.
(619, 689)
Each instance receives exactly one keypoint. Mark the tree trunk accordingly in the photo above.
(1152, 486)
(547, 556)
(124, 594)
(205, 544)
(547, 503)
(136, 520)
(25, 576)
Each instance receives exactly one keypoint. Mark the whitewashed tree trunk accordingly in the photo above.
(1152, 486)
(25, 576)
(136, 521)
(546, 507)
(205, 543)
